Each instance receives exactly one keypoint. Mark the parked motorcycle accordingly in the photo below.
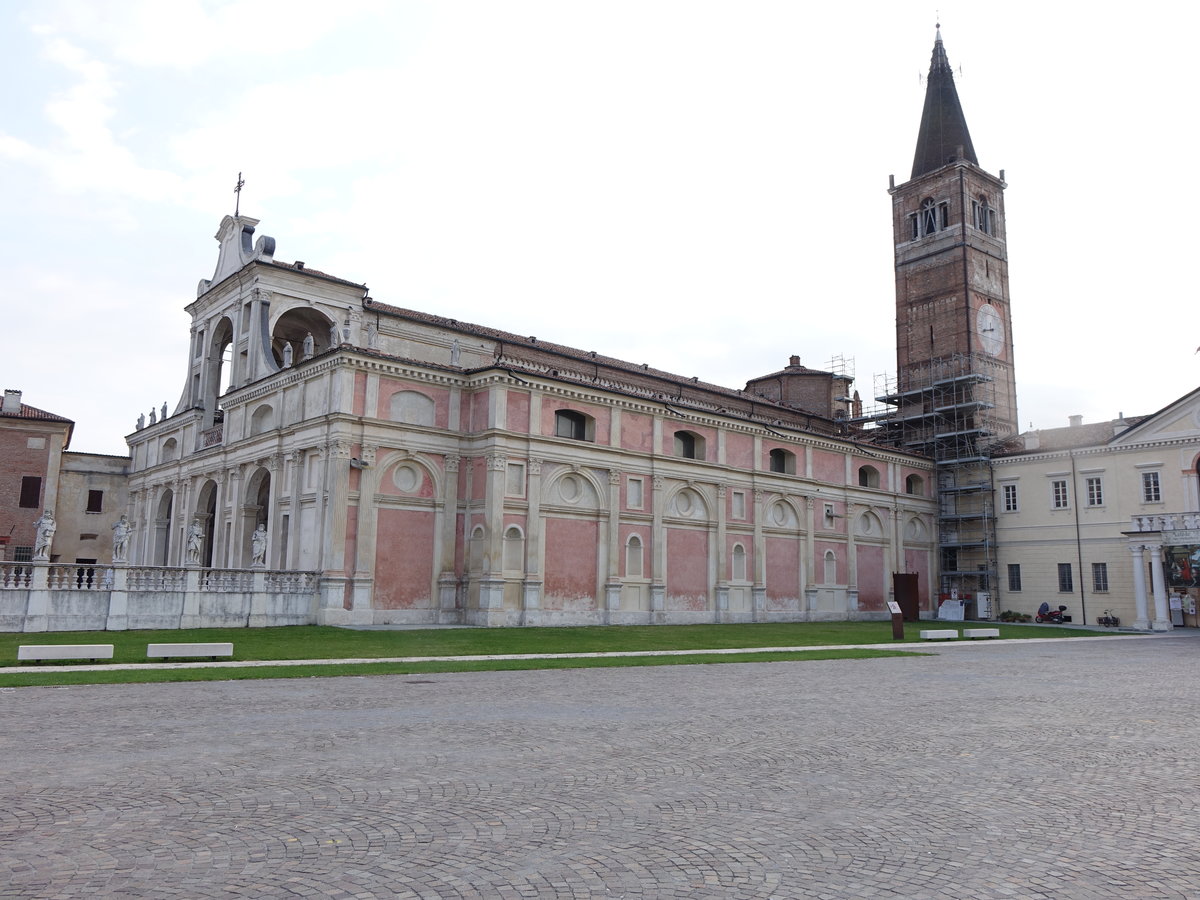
(1051, 616)
(1108, 620)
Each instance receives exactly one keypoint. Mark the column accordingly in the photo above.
(364, 544)
(294, 468)
(531, 588)
(1139, 586)
(447, 579)
(810, 556)
(852, 510)
(491, 582)
(758, 593)
(658, 545)
(1162, 615)
(722, 554)
(337, 491)
(612, 579)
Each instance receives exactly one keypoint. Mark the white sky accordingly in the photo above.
(701, 186)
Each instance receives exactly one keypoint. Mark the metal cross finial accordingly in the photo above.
(238, 190)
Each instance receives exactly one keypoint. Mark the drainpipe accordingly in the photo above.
(1078, 543)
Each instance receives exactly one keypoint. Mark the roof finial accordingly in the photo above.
(237, 206)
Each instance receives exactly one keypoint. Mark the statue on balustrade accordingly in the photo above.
(46, 526)
(258, 547)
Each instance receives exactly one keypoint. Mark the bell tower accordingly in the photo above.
(955, 391)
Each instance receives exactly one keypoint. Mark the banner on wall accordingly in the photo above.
(1182, 566)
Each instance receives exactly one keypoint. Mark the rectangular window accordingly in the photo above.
(1014, 576)
(1060, 495)
(635, 493)
(1095, 491)
(95, 501)
(514, 482)
(22, 554)
(1151, 491)
(1100, 577)
(739, 505)
(1066, 583)
(1010, 498)
(31, 491)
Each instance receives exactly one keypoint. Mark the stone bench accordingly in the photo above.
(165, 651)
(939, 634)
(981, 632)
(39, 652)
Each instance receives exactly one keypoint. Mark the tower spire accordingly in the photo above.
(943, 136)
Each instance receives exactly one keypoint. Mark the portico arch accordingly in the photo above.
(255, 511)
(162, 528)
(294, 327)
(218, 365)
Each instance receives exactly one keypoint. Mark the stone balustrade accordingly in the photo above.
(57, 597)
(1167, 522)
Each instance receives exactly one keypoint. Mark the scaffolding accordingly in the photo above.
(947, 409)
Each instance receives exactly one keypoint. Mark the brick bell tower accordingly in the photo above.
(955, 392)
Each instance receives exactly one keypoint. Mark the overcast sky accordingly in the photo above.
(699, 186)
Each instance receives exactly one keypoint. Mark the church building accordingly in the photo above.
(437, 471)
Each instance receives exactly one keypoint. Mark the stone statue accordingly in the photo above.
(153, 419)
(455, 353)
(122, 531)
(309, 345)
(287, 354)
(195, 538)
(258, 547)
(164, 411)
(46, 526)
(141, 422)
(334, 339)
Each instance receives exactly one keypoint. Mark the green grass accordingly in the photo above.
(323, 642)
(142, 676)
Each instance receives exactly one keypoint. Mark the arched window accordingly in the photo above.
(783, 461)
(915, 485)
(830, 567)
(868, 476)
(574, 425)
(689, 445)
(514, 549)
(738, 572)
(263, 419)
(633, 557)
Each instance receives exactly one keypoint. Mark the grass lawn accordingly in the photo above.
(324, 642)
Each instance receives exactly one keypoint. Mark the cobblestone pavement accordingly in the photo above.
(1055, 770)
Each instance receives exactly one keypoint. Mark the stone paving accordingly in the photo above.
(1030, 770)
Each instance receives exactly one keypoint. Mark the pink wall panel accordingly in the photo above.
(518, 412)
(479, 411)
(403, 559)
(637, 432)
(783, 568)
(872, 579)
(687, 568)
(739, 450)
(360, 393)
(571, 563)
(830, 467)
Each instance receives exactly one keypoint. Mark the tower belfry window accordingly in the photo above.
(984, 215)
(932, 218)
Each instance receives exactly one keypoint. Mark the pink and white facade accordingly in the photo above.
(433, 471)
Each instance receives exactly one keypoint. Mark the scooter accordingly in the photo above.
(1108, 620)
(1051, 616)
